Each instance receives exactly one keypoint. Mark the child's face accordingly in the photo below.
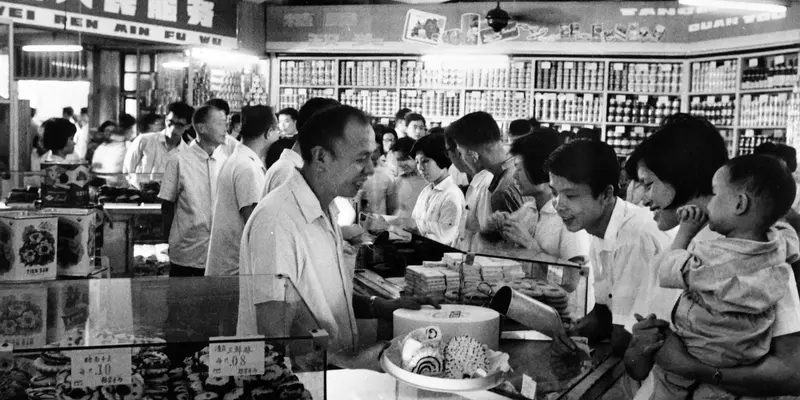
(722, 214)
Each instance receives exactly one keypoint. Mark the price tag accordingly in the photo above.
(386, 64)
(643, 99)
(620, 98)
(328, 92)
(666, 67)
(519, 95)
(519, 65)
(528, 387)
(412, 64)
(750, 132)
(450, 95)
(642, 67)
(589, 126)
(619, 66)
(289, 92)
(782, 96)
(726, 99)
(290, 64)
(619, 129)
(382, 93)
(545, 64)
(236, 358)
(92, 368)
(588, 97)
(695, 100)
(747, 98)
(753, 62)
(779, 60)
(638, 129)
(728, 63)
(348, 92)
(411, 93)
(364, 93)
(663, 99)
(569, 65)
(763, 98)
(351, 64)
(591, 66)
(571, 96)
(566, 127)
(711, 99)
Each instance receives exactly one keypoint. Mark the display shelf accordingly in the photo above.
(768, 71)
(652, 94)
(720, 113)
(650, 125)
(368, 73)
(746, 144)
(570, 75)
(760, 127)
(306, 86)
(504, 104)
(576, 123)
(714, 77)
(639, 77)
(575, 91)
(768, 90)
(569, 106)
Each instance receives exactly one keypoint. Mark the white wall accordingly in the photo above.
(50, 97)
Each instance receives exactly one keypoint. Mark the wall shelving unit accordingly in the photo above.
(745, 95)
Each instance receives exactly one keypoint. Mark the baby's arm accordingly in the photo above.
(693, 219)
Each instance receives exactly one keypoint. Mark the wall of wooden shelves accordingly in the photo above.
(523, 79)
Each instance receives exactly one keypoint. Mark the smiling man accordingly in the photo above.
(584, 178)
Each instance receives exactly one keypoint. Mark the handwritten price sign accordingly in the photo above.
(235, 358)
(91, 368)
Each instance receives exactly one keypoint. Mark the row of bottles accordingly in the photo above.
(793, 122)
(641, 110)
(714, 76)
(378, 103)
(308, 72)
(570, 75)
(432, 103)
(567, 107)
(413, 74)
(624, 139)
(749, 141)
(295, 98)
(368, 73)
(501, 104)
(764, 110)
(719, 111)
(519, 75)
(227, 85)
(769, 72)
(645, 78)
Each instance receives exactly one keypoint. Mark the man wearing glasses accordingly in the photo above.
(148, 152)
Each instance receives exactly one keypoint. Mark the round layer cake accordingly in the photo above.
(482, 324)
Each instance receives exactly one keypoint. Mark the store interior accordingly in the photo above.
(88, 306)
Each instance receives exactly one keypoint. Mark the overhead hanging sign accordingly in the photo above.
(210, 23)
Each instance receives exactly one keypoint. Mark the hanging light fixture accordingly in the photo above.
(62, 43)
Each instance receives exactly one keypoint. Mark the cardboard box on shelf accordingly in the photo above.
(65, 185)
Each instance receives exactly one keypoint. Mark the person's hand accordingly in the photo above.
(517, 232)
(384, 309)
(674, 357)
(495, 222)
(648, 334)
(692, 218)
(562, 344)
(373, 222)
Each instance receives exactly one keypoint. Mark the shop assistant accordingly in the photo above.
(293, 231)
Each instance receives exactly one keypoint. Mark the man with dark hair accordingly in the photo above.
(148, 153)
(403, 195)
(416, 126)
(188, 191)
(68, 113)
(518, 128)
(534, 123)
(400, 122)
(220, 104)
(584, 179)
(588, 134)
(238, 190)
(291, 159)
(287, 121)
(293, 232)
(235, 126)
(493, 187)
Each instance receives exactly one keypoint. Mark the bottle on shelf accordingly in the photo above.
(624, 139)
(570, 75)
(650, 110)
(501, 104)
(719, 111)
(752, 139)
(645, 78)
(567, 107)
(296, 97)
(714, 76)
(432, 103)
(368, 73)
(307, 72)
(518, 75)
(414, 74)
(376, 102)
(766, 110)
(779, 71)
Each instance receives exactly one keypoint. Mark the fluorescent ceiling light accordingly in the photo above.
(214, 56)
(745, 5)
(34, 48)
(464, 61)
(175, 65)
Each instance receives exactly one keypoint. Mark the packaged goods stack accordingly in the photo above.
(793, 123)
(300, 80)
(433, 104)
(430, 280)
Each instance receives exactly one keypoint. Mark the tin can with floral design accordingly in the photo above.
(76, 240)
(23, 316)
(27, 246)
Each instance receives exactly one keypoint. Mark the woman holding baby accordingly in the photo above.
(690, 182)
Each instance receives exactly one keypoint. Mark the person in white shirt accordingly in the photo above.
(82, 134)
(676, 166)
(400, 122)
(279, 173)
(287, 121)
(108, 158)
(148, 153)
(536, 226)
(59, 139)
(416, 126)
(584, 178)
(188, 188)
(293, 232)
(239, 190)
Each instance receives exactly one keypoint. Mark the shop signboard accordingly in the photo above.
(209, 23)
(464, 24)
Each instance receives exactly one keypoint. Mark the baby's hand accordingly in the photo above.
(692, 218)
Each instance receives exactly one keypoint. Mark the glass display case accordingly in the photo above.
(168, 338)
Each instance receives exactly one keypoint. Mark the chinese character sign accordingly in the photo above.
(236, 358)
(101, 367)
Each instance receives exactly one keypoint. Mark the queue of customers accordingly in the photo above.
(694, 281)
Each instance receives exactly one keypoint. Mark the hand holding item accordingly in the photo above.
(496, 222)
(648, 334)
(517, 232)
(373, 222)
(563, 345)
(693, 219)
(384, 309)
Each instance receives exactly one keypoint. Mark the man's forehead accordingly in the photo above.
(359, 137)
(563, 183)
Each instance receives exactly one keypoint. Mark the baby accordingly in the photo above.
(732, 284)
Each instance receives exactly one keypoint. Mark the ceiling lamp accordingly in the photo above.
(50, 48)
(744, 5)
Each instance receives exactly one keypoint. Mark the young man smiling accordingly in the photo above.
(584, 178)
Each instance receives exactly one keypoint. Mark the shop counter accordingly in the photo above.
(120, 233)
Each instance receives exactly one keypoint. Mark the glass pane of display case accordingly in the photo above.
(129, 82)
(130, 62)
(177, 334)
(5, 62)
(144, 63)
